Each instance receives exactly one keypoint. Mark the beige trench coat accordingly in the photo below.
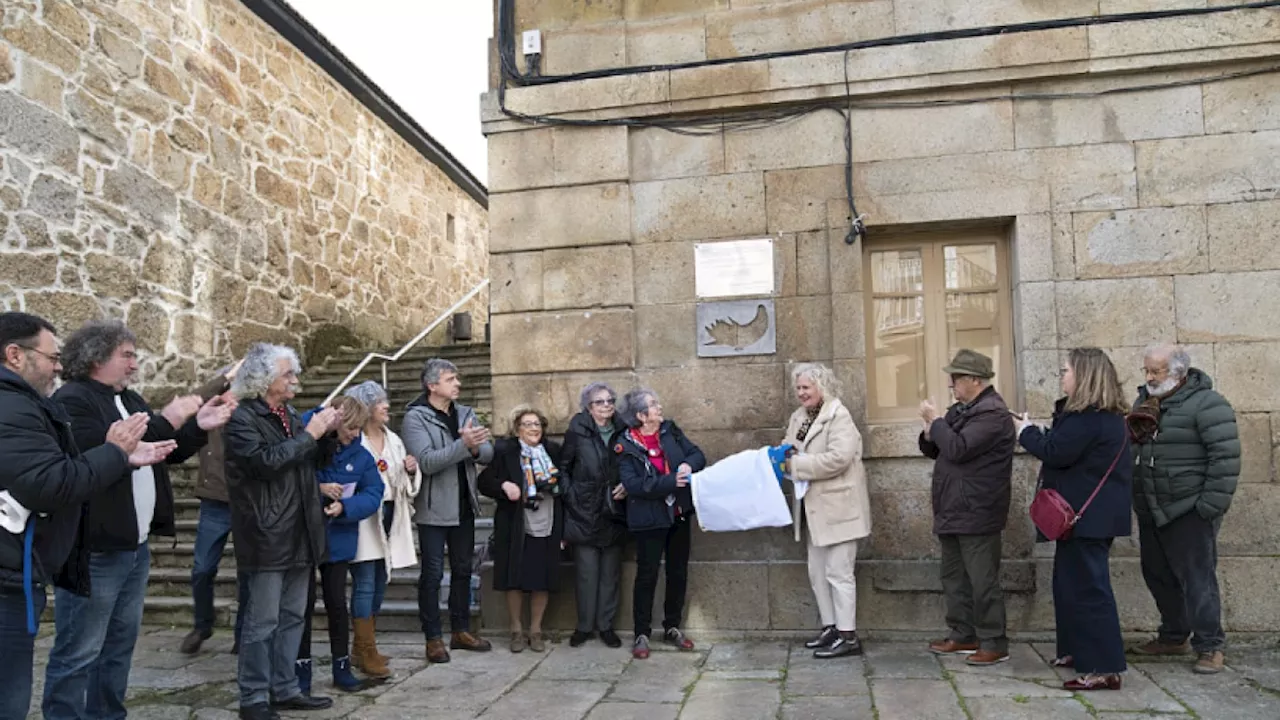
(837, 505)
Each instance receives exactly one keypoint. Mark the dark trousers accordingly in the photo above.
(432, 541)
(651, 546)
(18, 646)
(333, 588)
(971, 586)
(1084, 607)
(599, 575)
(1180, 565)
(212, 531)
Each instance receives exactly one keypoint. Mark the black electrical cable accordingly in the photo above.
(506, 40)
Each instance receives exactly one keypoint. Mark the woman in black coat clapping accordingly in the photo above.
(1087, 442)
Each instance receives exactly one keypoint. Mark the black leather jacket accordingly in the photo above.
(276, 514)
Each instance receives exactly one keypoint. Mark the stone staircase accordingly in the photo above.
(168, 600)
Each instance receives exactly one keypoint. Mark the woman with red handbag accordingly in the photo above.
(1086, 461)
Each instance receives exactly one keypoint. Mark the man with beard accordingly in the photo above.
(1187, 456)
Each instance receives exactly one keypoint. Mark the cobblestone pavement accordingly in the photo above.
(725, 680)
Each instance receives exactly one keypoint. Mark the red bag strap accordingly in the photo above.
(1124, 445)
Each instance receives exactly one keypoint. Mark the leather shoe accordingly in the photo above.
(304, 702)
(951, 647)
(466, 641)
(261, 711)
(986, 657)
(192, 642)
(1093, 682)
(578, 638)
(1160, 647)
(436, 652)
(610, 638)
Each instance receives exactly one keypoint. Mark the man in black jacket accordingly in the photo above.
(43, 482)
(276, 516)
(88, 670)
(972, 483)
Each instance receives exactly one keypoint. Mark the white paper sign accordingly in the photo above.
(736, 267)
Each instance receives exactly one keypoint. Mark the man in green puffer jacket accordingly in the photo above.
(1186, 465)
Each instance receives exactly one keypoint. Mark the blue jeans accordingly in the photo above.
(88, 671)
(18, 646)
(211, 537)
(272, 634)
(432, 540)
(368, 587)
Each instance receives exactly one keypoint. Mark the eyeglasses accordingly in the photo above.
(604, 401)
(532, 424)
(55, 357)
(1148, 372)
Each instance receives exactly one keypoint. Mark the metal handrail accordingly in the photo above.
(407, 346)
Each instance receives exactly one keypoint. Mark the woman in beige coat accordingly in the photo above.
(832, 500)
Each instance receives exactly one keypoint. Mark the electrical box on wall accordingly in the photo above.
(532, 42)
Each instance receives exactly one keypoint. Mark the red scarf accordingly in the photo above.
(653, 445)
(282, 414)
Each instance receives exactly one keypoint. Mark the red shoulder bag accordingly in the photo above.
(1053, 515)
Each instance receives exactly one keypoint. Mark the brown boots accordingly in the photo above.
(364, 652)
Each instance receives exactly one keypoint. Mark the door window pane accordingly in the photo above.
(973, 322)
(899, 352)
(897, 271)
(971, 267)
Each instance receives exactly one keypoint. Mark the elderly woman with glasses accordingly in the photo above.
(528, 523)
(386, 537)
(593, 523)
(832, 502)
(655, 461)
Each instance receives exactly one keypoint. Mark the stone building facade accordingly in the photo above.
(1053, 214)
(181, 165)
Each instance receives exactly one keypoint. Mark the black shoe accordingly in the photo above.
(304, 702)
(578, 638)
(845, 645)
(610, 638)
(824, 639)
(235, 647)
(194, 639)
(261, 711)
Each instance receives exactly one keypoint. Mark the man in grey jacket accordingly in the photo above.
(447, 442)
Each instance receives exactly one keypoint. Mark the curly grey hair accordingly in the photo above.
(1178, 358)
(823, 378)
(91, 346)
(369, 393)
(260, 369)
(584, 399)
(634, 403)
(434, 368)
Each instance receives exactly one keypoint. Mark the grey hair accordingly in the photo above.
(91, 346)
(434, 368)
(1178, 358)
(633, 403)
(584, 399)
(260, 369)
(823, 377)
(369, 393)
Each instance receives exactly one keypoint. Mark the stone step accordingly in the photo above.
(472, 372)
(420, 354)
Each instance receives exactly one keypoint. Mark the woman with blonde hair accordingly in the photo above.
(1085, 453)
(386, 537)
(528, 523)
(831, 500)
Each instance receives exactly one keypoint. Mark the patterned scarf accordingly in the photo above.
(539, 472)
(810, 416)
(282, 414)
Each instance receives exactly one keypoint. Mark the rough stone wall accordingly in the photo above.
(1132, 219)
(177, 164)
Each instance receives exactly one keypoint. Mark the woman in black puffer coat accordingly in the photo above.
(594, 521)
